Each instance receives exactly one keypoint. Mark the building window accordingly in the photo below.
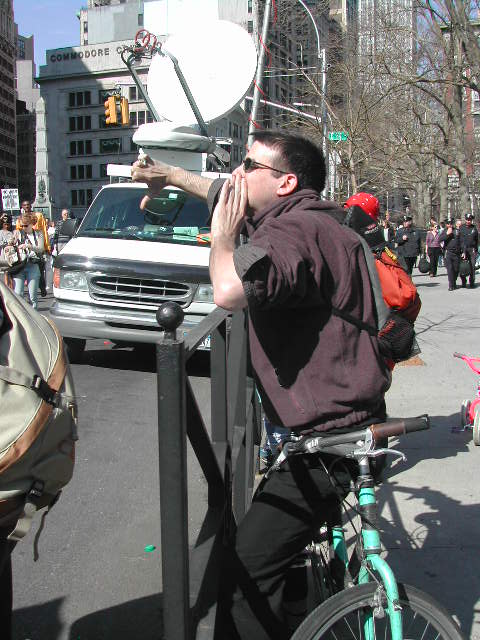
(132, 93)
(133, 119)
(235, 153)
(149, 117)
(81, 172)
(79, 98)
(476, 121)
(103, 94)
(249, 5)
(80, 123)
(85, 27)
(140, 20)
(250, 26)
(80, 147)
(110, 145)
(103, 171)
(141, 117)
(82, 197)
(235, 130)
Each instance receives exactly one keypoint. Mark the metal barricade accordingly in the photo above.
(227, 459)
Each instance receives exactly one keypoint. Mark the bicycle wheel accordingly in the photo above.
(342, 616)
(476, 426)
(464, 409)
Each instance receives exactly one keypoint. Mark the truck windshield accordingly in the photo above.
(173, 216)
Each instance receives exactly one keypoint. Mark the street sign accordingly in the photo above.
(453, 182)
(10, 199)
(337, 136)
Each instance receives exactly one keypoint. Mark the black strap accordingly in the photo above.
(373, 331)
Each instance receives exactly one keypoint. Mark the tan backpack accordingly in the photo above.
(38, 414)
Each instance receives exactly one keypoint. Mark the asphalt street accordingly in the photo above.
(95, 581)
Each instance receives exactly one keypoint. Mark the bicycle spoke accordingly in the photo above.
(425, 631)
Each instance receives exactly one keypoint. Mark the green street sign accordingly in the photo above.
(338, 136)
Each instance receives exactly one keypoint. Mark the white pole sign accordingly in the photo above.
(10, 199)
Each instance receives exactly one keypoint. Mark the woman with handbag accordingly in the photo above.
(31, 244)
(434, 248)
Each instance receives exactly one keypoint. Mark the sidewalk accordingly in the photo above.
(430, 508)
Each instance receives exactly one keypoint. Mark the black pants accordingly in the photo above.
(42, 284)
(471, 255)
(287, 510)
(410, 261)
(452, 263)
(433, 255)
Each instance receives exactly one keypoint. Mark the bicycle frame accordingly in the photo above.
(372, 562)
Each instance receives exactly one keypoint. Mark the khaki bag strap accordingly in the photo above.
(37, 384)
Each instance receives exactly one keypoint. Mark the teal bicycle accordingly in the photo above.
(362, 598)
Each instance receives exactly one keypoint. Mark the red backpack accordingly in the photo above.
(398, 290)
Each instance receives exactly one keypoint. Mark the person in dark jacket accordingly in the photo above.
(469, 246)
(314, 370)
(59, 238)
(409, 243)
(450, 237)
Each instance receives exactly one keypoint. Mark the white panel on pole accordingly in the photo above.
(10, 199)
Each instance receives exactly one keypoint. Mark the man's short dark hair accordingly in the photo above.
(299, 155)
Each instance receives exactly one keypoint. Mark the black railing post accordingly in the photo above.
(172, 443)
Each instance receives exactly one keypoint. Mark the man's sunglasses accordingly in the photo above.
(249, 164)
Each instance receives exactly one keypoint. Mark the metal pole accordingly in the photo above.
(259, 75)
(324, 107)
(172, 444)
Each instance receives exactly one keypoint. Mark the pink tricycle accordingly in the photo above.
(470, 409)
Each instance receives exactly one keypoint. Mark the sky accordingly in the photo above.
(53, 23)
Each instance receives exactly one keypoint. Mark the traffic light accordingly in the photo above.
(124, 111)
(111, 110)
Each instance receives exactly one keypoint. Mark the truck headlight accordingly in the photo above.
(204, 293)
(73, 280)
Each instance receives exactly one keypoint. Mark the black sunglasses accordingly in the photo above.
(249, 164)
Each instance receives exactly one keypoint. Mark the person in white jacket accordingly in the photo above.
(31, 246)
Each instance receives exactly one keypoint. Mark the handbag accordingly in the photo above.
(464, 268)
(424, 264)
(15, 258)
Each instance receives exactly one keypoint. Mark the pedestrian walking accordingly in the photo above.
(434, 248)
(469, 244)
(450, 237)
(39, 224)
(289, 275)
(32, 244)
(409, 242)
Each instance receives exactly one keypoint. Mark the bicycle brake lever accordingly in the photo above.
(392, 452)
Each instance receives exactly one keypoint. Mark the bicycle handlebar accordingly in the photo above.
(399, 427)
(468, 360)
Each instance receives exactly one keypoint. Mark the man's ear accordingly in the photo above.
(288, 184)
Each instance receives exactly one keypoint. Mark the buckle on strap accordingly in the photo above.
(44, 390)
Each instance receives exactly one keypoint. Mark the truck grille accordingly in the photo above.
(139, 290)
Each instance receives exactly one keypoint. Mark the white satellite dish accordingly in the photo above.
(218, 60)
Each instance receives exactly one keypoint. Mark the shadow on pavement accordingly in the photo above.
(433, 552)
(140, 618)
(142, 357)
(41, 622)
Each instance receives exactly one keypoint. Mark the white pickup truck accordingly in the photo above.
(122, 263)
